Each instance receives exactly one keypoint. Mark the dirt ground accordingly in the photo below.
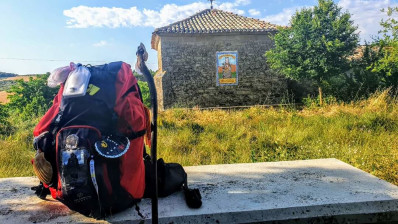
(3, 97)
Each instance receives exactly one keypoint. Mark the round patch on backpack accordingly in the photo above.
(112, 146)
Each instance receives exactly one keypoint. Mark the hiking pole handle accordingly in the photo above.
(142, 56)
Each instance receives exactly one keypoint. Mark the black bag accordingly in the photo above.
(171, 178)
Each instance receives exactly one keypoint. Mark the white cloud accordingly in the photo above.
(171, 13)
(102, 43)
(242, 2)
(254, 12)
(84, 16)
(367, 15)
(232, 6)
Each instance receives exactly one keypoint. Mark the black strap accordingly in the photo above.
(137, 208)
(135, 135)
(129, 90)
(41, 191)
(54, 125)
(139, 91)
(193, 197)
(145, 155)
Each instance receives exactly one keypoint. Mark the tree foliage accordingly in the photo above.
(359, 81)
(32, 98)
(316, 45)
(146, 98)
(376, 68)
(4, 124)
(387, 64)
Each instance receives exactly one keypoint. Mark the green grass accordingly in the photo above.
(16, 149)
(363, 134)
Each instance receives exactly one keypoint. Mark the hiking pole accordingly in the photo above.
(142, 56)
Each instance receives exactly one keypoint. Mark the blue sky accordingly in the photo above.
(39, 36)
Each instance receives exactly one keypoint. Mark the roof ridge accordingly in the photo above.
(215, 21)
(180, 21)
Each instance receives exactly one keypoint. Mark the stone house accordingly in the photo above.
(215, 58)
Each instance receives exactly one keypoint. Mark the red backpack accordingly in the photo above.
(94, 143)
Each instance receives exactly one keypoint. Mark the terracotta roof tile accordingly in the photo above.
(214, 20)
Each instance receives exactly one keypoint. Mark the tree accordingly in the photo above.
(360, 81)
(388, 50)
(4, 124)
(316, 45)
(146, 98)
(32, 98)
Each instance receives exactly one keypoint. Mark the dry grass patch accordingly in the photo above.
(3, 97)
(23, 77)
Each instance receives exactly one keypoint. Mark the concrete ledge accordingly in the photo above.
(308, 191)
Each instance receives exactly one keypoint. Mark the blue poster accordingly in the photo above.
(227, 68)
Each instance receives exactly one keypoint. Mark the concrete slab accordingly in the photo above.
(308, 191)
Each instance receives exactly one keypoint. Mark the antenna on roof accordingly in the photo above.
(211, 3)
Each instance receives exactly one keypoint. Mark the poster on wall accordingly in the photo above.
(227, 68)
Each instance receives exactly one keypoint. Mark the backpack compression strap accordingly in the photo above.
(134, 135)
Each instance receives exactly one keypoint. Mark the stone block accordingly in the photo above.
(307, 191)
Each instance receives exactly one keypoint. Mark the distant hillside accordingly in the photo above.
(6, 75)
(7, 81)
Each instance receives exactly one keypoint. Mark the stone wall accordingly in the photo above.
(187, 71)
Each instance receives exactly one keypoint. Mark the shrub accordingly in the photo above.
(4, 124)
(32, 98)
(146, 98)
